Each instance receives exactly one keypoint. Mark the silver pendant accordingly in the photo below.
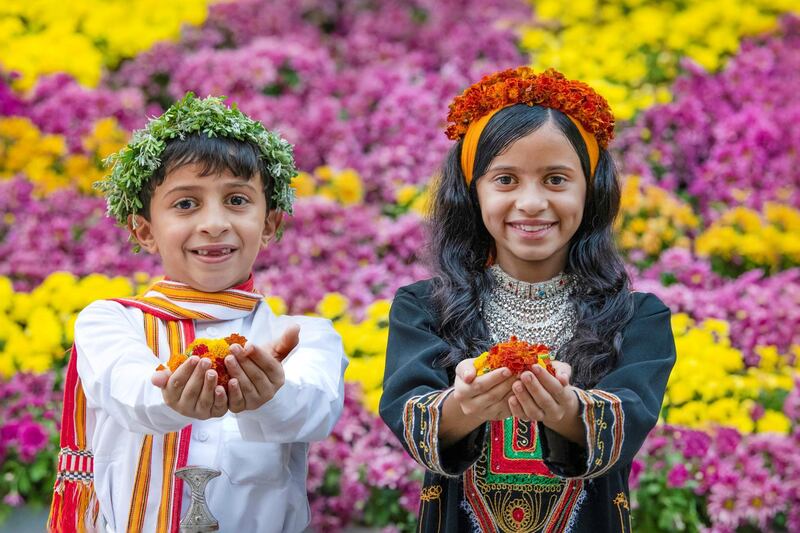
(198, 517)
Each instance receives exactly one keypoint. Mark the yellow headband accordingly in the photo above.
(469, 146)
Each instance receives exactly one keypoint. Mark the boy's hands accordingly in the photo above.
(485, 397)
(192, 389)
(256, 372)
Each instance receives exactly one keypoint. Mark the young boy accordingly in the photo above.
(204, 187)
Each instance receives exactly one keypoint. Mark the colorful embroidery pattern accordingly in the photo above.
(604, 421)
(421, 429)
(511, 489)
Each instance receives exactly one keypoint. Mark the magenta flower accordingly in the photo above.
(677, 476)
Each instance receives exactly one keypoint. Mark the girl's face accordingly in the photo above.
(531, 200)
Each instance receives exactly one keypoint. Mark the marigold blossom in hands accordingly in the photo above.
(516, 355)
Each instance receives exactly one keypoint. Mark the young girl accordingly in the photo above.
(522, 239)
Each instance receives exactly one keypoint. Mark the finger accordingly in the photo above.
(540, 395)
(177, 380)
(496, 394)
(466, 370)
(516, 408)
(550, 383)
(193, 387)
(528, 403)
(236, 367)
(160, 378)
(267, 363)
(236, 401)
(180, 377)
(563, 370)
(256, 375)
(205, 401)
(503, 410)
(487, 382)
(286, 343)
(220, 402)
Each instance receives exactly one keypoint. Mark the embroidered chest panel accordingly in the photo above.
(511, 489)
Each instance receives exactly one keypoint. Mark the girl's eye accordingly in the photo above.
(556, 180)
(504, 180)
(239, 199)
(185, 204)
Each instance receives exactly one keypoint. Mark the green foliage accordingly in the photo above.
(135, 163)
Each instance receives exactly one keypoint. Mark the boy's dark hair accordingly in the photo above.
(461, 245)
(215, 155)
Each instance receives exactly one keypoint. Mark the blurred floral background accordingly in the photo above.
(707, 97)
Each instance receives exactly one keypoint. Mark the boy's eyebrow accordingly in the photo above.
(230, 184)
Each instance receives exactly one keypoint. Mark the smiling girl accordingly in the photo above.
(521, 230)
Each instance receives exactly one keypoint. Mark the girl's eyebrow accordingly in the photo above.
(550, 168)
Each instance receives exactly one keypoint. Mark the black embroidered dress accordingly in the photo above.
(513, 475)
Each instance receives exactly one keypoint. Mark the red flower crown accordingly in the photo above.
(522, 86)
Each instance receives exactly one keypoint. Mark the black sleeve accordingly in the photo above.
(624, 406)
(415, 386)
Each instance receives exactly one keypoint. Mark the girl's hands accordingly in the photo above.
(483, 397)
(192, 389)
(540, 397)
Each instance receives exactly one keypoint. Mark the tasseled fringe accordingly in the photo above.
(74, 508)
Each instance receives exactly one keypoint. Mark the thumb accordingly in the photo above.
(467, 371)
(287, 342)
(160, 378)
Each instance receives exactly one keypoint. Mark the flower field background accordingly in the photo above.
(708, 144)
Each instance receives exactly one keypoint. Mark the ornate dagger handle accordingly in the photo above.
(198, 517)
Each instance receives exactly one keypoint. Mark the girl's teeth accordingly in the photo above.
(533, 228)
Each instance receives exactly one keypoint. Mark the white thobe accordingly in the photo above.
(262, 453)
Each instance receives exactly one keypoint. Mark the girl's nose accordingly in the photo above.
(530, 199)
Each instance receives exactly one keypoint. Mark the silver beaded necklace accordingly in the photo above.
(534, 312)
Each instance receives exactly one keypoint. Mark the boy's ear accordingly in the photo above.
(273, 222)
(142, 231)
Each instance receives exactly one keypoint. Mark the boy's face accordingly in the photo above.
(208, 230)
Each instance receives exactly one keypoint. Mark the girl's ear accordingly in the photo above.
(273, 222)
(142, 231)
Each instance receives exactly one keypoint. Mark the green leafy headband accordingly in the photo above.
(134, 164)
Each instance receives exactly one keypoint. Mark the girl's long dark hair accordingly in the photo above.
(461, 246)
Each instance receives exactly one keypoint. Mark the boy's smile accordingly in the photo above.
(208, 230)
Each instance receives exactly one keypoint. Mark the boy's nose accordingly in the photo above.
(214, 221)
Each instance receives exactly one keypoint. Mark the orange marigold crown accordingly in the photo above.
(522, 86)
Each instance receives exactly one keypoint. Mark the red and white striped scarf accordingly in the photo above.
(168, 305)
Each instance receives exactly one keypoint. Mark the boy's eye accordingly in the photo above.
(238, 199)
(185, 204)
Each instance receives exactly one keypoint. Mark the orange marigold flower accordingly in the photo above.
(522, 86)
(214, 349)
(235, 338)
(516, 355)
(175, 360)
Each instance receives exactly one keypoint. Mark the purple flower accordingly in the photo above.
(32, 439)
(14, 499)
(677, 476)
(727, 137)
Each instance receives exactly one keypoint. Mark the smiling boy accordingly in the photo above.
(204, 187)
